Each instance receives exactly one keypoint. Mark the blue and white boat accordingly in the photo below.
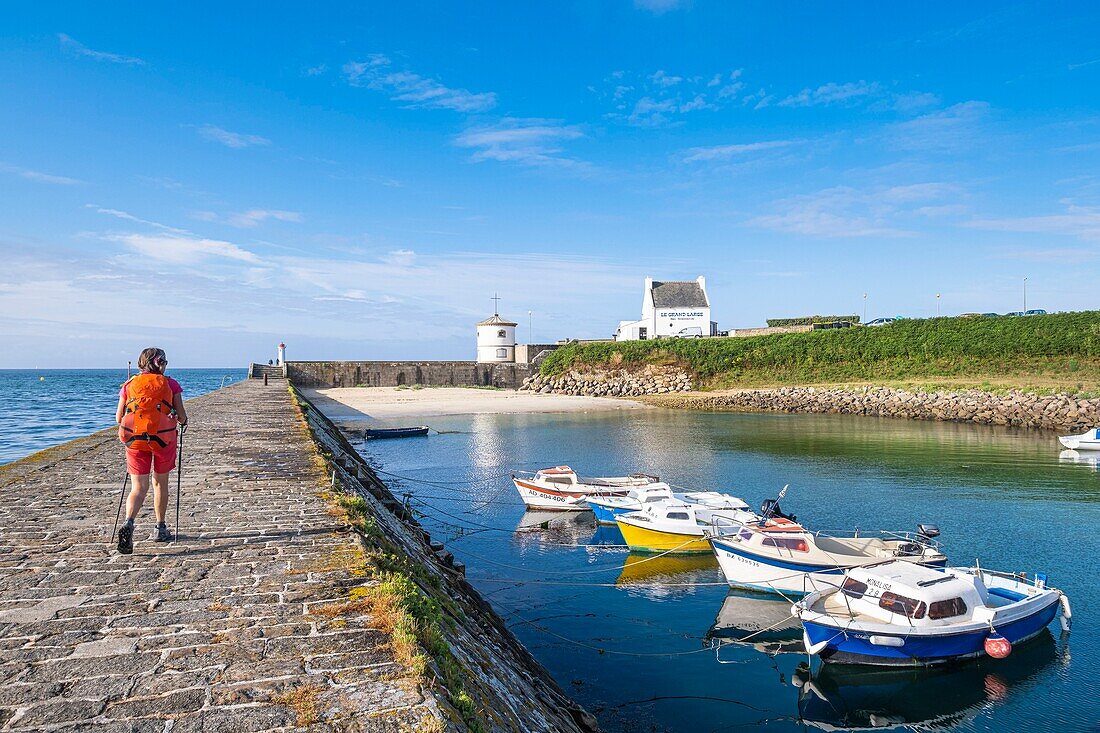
(778, 555)
(905, 614)
(609, 508)
(606, 508)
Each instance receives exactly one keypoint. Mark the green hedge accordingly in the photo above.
(905, 349)
(810, 320)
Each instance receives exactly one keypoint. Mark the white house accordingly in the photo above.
(669, 309)
(496, 341)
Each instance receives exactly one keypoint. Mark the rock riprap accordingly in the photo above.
(1023, 409)
(649, 380)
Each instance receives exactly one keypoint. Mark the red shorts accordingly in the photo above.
(138, 462)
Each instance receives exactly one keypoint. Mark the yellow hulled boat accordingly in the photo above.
(676, 527)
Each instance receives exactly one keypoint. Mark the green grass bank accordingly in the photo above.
(1052, 353)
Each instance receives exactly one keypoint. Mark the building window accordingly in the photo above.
(502, 334)
(502, 353)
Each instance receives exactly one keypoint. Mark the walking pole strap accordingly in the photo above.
(179, 481)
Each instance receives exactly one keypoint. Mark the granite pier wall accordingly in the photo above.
(405, 373)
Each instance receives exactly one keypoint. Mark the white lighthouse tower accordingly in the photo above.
(496, 340)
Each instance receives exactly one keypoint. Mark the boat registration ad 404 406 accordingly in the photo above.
(560, 488)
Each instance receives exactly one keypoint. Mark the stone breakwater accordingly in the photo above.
(249, 622)
(612, 383)
(1053, 412)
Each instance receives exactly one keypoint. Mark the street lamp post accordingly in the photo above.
(865, 307)
(530, 327)
(937, 305)
(1025, 295)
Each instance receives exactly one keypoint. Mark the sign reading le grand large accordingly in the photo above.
(679, 315)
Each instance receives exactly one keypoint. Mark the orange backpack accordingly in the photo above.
(149, 413)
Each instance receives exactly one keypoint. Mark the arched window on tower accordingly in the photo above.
(502, 353)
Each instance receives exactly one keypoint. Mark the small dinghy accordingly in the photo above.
(679, 525)
(1088, 440)
(904, 614)
(385, 433)
(561, 489)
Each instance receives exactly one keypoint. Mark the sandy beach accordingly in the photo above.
(349, 404)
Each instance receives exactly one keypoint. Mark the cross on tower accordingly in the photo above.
(496, 304)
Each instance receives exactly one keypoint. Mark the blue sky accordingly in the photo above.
(358, 181)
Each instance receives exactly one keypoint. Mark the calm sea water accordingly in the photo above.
(653, 647)
(41, 408)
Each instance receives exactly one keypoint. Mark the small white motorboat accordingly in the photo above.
(904, 614)
(1088, 440)
(679, 525)
(561, 489)
(606, 508)
(777, 555)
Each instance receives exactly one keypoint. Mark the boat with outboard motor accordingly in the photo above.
(1088, 440)
(679, 525)
(904, 614)
(776, 554)
(561, 489)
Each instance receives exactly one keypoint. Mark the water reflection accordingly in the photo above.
(764, 622)
(846, 697)
(1089, 460)
(555, 528)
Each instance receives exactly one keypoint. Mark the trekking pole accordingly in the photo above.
(179, 482)
(121, 499)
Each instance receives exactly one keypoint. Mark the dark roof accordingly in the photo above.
(679, 295)
(495, 320)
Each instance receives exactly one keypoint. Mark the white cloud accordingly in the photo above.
(400, 257)
(831, 93)
(650, 112)
(724, 152)
(661, 79)
(1080, 222)
(126, 216)
(231, 139)
(843, 211)
(38, 176)
(253, 217)
(315, 70)
(944, 130)
(414, 89)
(181, 249)
(71, 44)
(530, 141)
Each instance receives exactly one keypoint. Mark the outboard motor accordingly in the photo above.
(928, 531)
(771, 508)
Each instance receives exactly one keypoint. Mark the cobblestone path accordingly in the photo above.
(211, 633)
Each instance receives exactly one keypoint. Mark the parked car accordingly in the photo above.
(880, 321)
(1013, 314)
(691, 332)
(991, 315)
(970, 315)
(1035, 312)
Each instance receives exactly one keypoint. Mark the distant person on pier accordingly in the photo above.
(150, 406)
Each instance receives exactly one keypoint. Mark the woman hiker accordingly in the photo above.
(150, 406)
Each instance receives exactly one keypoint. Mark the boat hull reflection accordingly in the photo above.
(863, 698)
(761, 621)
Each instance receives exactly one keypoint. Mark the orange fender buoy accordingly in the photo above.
(997, 646)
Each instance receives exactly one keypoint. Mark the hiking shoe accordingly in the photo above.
(161, 534)
(126, 539)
